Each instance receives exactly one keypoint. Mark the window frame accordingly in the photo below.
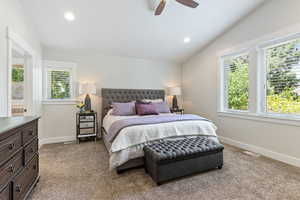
(262, 75)
(258, 79)
(60, 66)
(224, 83)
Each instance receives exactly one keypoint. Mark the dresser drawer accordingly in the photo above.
(25, 179)
(5, 193)
(10, 146)
(9, 169)
(30, 150)
(29, 132)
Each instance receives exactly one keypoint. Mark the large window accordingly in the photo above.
(59, 81)
(283, 77)
(236, 82)
(264, 80)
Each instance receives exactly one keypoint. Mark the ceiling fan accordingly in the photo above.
(188, 3)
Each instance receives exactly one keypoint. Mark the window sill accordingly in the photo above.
(269, 118)
(60, 102)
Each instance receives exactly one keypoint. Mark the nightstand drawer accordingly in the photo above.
(87, 125)
(86, 131)
(86, 118)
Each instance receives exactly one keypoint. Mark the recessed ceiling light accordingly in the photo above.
(69, 16)
(187, 40)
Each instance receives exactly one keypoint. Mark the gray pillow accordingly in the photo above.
(123, 109)
(162, 107)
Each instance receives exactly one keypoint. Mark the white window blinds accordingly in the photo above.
(59, 84)
(283, 78)
(236, 82)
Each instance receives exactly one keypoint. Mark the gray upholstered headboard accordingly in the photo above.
(127, 95)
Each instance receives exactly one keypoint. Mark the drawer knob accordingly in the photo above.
(18, 188)
(31, 133)
(31, 150)
(11, 169)
(11, 146)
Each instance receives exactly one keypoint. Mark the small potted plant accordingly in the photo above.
(80, 105)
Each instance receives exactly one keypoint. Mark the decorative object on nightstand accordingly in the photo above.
(81, 106)
(87, 88)
(178, 111)
(87, 125)
(174, 91)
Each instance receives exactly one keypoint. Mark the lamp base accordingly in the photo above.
(87, 102)
(175, 103)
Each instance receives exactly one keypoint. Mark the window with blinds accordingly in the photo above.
(58, 84)
(283, 78)
(236, 82)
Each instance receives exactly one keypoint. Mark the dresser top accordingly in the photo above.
(8, 123)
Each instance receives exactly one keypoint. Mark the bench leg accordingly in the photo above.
(220, 166)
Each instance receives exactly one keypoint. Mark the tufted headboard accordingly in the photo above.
(127, 95)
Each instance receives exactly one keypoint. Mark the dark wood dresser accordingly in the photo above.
(19, 158)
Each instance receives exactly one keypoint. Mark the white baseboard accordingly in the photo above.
(56, 140)
(265, 152)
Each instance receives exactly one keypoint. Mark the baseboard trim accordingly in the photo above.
(265, 152)
(56, 140)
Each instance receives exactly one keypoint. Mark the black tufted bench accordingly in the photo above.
(172, 159)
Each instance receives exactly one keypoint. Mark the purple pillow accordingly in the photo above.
(123, 109)
(162, 107)
(146, 109)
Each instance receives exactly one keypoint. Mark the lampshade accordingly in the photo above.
(174, 91)
(87, 88)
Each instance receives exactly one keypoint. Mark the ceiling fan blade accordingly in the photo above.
(189, 3)
(160, 7)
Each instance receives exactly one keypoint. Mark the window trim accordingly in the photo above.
(257, 47)
(68, 66)
(262, 74)
(224, 84)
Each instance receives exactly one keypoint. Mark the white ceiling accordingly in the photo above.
(129, 27)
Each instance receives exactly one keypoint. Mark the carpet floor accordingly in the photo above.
(80, 172)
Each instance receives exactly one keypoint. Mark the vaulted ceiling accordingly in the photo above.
(129, 27)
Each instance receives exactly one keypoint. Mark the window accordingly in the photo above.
(59, 81)
(236, 82)
(282, 63)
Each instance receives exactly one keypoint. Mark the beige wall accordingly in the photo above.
(200, 82)
(106, 72)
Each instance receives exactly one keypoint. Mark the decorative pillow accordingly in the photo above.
(152, 100)
(146, 109)
(123, 109)
(162, 107)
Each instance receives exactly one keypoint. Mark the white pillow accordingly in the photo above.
(153, 100)
(109, 112)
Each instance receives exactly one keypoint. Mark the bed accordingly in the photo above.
(126, 149)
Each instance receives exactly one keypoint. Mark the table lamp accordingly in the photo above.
(174, 91)
(87, 89)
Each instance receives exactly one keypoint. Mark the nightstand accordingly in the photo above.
(86, 125)
(177, 111)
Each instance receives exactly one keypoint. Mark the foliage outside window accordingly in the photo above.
(283, 78)
(17, 82)
(60, 84)
(17, 74)
(237, 82)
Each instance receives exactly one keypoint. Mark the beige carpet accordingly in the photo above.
(80, 172)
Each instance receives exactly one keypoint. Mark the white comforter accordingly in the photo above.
(128, 144)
